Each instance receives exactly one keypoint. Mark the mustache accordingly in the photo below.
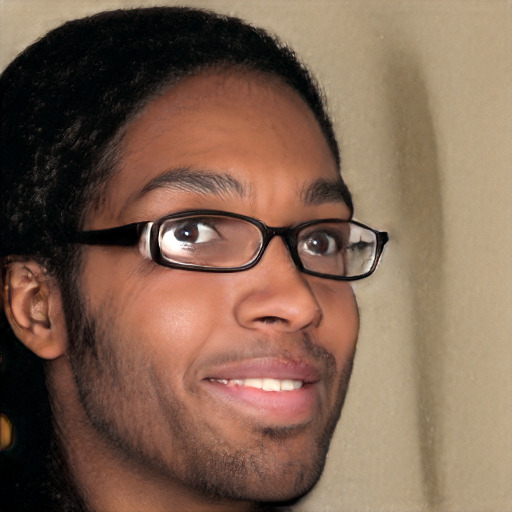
(302, 350)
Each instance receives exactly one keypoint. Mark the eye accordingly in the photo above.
(188, 234)
(194, 232)
(320, 243)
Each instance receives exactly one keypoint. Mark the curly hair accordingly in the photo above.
(64, 105)
(65, 100)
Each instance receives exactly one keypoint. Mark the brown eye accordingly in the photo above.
(188, 232)
(185, 236)
(194, 231)
(320, 244)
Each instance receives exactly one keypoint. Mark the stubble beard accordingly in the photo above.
(211, 468)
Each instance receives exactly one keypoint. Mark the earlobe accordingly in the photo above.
(33, 308)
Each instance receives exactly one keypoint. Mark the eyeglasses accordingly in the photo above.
(216, 241)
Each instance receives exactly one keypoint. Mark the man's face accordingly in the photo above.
(172, 381)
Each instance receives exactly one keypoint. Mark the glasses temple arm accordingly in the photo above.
(123, 235)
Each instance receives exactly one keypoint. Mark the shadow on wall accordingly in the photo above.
(419, 200)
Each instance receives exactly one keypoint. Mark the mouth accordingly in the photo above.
(273, 392)
(263, 383)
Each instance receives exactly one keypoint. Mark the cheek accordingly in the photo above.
(340, 322)
(167, 314)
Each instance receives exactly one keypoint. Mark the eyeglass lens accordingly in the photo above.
(209, 241)
(215, 241)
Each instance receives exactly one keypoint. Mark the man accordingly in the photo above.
(178, 251)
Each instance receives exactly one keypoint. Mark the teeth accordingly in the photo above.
(254, 383)
(271, 385)
(290, 385)
(264, 384)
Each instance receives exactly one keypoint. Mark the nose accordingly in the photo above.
(276, 296)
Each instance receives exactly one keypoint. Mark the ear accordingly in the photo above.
(33, 307)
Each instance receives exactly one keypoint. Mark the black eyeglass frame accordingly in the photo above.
(130, 234)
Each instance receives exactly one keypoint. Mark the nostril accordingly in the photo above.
(270, 320)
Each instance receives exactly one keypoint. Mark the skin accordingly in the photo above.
(142, 422)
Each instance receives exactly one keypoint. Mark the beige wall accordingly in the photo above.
(421, 91)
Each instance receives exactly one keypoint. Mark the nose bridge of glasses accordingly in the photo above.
(287, 234)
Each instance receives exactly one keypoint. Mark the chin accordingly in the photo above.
(283, 497)
(293, 483)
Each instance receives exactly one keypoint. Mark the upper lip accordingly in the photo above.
(267, 367)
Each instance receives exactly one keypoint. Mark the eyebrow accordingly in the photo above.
(322, 191)
(199, 181)
(195, 181)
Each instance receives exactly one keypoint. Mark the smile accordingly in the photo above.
(265, 384)
(272, 391)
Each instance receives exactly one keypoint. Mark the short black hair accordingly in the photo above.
(64, 103)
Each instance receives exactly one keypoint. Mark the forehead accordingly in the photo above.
(250, 129)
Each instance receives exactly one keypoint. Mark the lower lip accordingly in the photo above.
(274, 407)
